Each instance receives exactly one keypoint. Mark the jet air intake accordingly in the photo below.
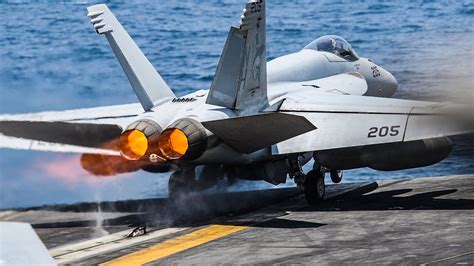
(144, 139)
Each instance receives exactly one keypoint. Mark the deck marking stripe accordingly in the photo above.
(71, 253)
(176, 245)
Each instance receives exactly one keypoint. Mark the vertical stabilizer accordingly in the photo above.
(148, 85)
(240, 82)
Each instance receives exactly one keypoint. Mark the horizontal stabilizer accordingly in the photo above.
(77, 134)
(248, 134)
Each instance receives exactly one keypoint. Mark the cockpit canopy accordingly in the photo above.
(335, 45)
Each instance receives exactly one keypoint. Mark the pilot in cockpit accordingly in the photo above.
(335, 45)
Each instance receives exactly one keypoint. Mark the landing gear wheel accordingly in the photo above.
(336, 176)
(314, 187)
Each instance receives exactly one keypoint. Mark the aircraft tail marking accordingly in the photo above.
(240, 82)
(147, 83)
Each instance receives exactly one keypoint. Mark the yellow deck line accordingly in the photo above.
(176, 245)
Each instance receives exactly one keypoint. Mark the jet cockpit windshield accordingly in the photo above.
(335, 45)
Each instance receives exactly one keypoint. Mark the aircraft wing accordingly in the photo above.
(348, 121)
(77, 131)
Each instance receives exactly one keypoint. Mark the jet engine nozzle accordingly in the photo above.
(173, 143)
(139, 139)
(133, 144)
(184, 139)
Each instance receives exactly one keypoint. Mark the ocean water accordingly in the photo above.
(51, 59)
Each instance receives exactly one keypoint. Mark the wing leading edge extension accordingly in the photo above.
(240, 82)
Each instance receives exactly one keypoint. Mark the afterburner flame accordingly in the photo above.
(173, 143)
(133, 144)
(105, 165)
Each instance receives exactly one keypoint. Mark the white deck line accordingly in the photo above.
(119, 240)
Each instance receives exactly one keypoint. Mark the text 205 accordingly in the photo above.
(384, 131)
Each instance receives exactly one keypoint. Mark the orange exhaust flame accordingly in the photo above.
(137, 151)
(104, 165)
(173, 143)
(133, 144)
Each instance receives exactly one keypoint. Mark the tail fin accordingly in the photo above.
(240, 82)
(148, 85)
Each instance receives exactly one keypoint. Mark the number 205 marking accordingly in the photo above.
(383, 131)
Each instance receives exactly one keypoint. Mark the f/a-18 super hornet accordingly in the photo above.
(259, 120)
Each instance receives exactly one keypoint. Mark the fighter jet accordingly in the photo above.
(258, 120)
